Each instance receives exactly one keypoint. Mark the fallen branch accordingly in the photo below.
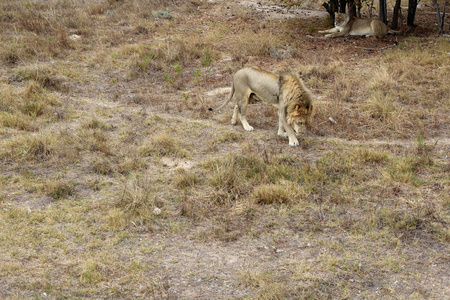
(378, 49)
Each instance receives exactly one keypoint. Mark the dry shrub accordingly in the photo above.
(123, 159)
(322, 71)
(94, 140)
(382, 107)
(343, 90)
(270, 194)
(264, 179)
(58, 189)
(139, 199)
(164, 145)
(94, 123)
(49, 36)
(18, 121)
(382, 80)
(192, 206)
(12, 51)
(34, 21)
(36, 101)
(41, 146)
(62, 38)
(399, 219)
(38, 147)
(188, 209)
(47, 77)
(103, 165)
(263, 43)
(129, 159)
(405, 169)
(96, 8)
(265, 284)
(91, 272)
(116, 218)
(180, 51)
(372, 155)
(185, 179)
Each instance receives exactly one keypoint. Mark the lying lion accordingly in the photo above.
(346, 25)
(286, 92)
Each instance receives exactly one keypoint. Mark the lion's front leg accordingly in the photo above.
(281, 131)
(332, 30)
(293, 141)
(338, 33)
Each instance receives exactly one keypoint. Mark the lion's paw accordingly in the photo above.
(295, 143)
(249, 128)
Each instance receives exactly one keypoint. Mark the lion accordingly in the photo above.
(286, 92)
(346, 25)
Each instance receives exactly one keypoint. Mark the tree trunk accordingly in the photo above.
(412, 6)
(383, 11)
(397, 9)
(358, 7)
(342, 4)
(351, 8)
(440, 20)
(331, 7)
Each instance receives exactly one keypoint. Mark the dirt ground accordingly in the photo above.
(232, 251)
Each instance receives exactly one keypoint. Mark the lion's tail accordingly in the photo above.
(230, 96)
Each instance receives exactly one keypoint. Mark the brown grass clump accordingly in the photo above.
(47, 77)
(264, 283)
(139, 200)
(21, 110)
(382, 107)
(270, 194)
(185, 179)
(164, 145)
(39, 147)
(233, 176)
(58, 189)
(260, 44)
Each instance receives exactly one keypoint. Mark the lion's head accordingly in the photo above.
(299, 108)
(300, 116)
(340, 19)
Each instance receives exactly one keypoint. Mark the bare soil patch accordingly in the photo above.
(117, 182)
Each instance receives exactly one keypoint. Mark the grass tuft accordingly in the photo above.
(185, 179)
(164, 145)
(139, 199)
(270, 194)
(58, 189)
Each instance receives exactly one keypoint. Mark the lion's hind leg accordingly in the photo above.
(235, 114)
(242, 104)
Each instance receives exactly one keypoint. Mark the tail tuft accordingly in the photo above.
(210, 109)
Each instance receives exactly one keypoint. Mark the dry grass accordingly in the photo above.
(116, 182)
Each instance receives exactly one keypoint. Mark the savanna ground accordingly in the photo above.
(117, 183)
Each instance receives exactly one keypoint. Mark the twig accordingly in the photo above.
(377, 49)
